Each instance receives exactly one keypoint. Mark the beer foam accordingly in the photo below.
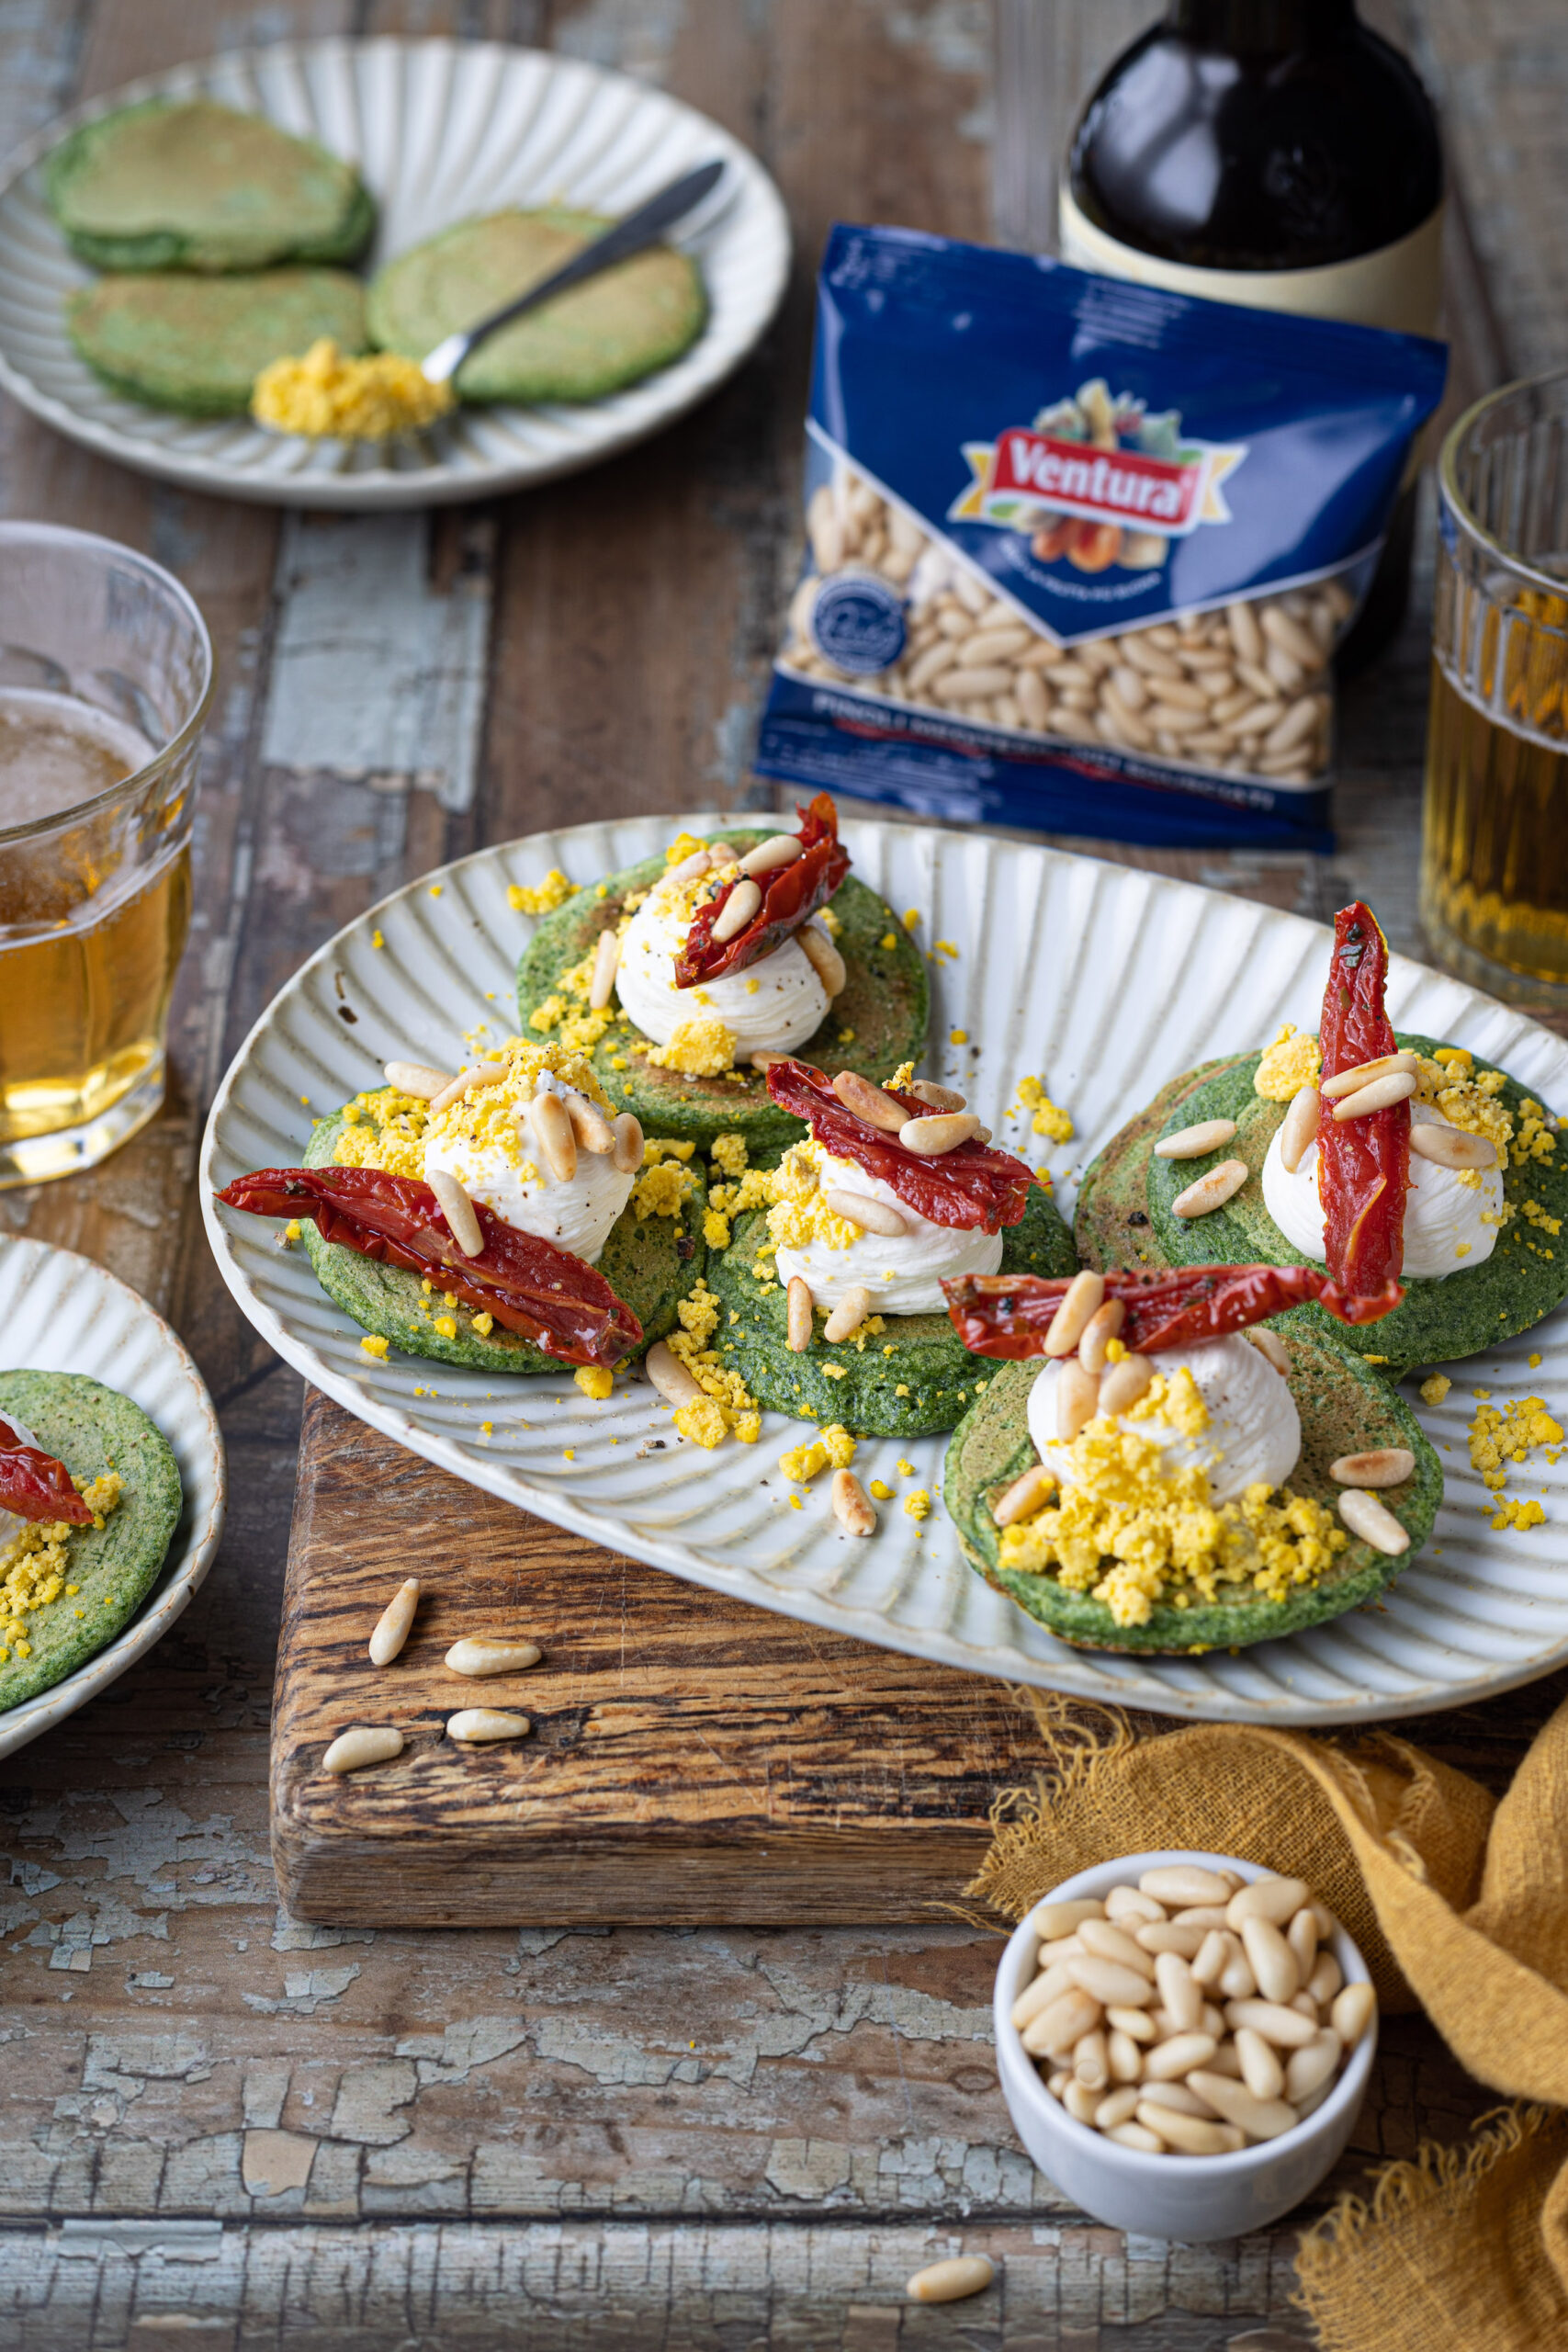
(56, 752)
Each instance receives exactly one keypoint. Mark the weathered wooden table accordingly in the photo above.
(221, 2129)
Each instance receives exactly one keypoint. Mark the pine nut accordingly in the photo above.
(1385, 1465)
(351, 1751)
(393, 1625)
(1353, 2012)
(1245, 634)
(1306, 2005)
(1057, 2083)
(1077, 1399)
(669, 1375)
(1237, 1981)
(851, 1505)
(1312, 2065)
(465, 1083)
(943, 1131)
(1260, 2069)
(1290, 636)
(1063, 2026)
(1171, 2059)
(1325, 1980)
(872, 1216)
(457, 1210)
(417, 1079)
(1180, 1998)
(1110, 1984)
(764, 1059)
(606, 963)
(1183, 1882)
(824, 959)
(1125, 2058)
(1301, 1937)
(687, 871)
(482, 1655)
(1212, 1190)
(1452, 1147)
(552, 1128)
(1275, 1898)
(1191, 2134)
(1080, 2101)
(869, 1102)
(848, 1316)
(1105, 1940)
(1261, 2119)
(1208, 1914)
(592, 1130)
(1102, 1327)
(1117, 2106)
(1210, 1958)
(941, 1098)
(628, 1152)
(1365, 1517)
(1125, 1903)
(1057, 1950)
(798, 1309)
(1048, 1986)
(1091, 2062)
(1380, 1095)
(1172, 1935)
(779, 849)
(1286, 2028)
(1122, 1386)
(1138, 2135)
(1051, 1919)
(948, 2281)
(1351, 1081)
(743, 902)
(957, 685)
(1136, 2024)
(1024, 1496)
(1298, 1132)
(1080, 1301)
(479, 1726)
(1269, 1344)
(1191, 1143)
(1177, 2098)
(1272, 1959)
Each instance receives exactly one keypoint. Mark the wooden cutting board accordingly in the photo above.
(692, 1759)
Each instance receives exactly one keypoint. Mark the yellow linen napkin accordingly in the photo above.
(1459, 1904)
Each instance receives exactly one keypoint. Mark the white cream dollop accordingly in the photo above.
(1443, 1228)
(773, 1006)
(576, 1216)
(1254, 1434)
(904, 1275)
(11, 1522)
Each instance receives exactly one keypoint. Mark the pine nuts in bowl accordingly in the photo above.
(1243, 2104)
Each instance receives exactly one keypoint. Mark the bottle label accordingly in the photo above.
(1399, 286)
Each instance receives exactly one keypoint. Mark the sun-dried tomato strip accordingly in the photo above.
(35, 1486)
(1363, 1165)
(544, 1294)
(1009, 1315)
(971, 1186)
(790, 895)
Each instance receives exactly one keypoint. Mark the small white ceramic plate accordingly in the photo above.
(441, 129)
(63, 1313)
(1105, 981)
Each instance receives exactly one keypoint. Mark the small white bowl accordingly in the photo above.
(1193, 2198)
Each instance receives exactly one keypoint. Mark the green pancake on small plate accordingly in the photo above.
(1441, 1318)
(187, 184)
(198, 344)
(593, 340)
(876, 1023)
(857, 1382)
(1345, 1408)
(92, 1429)
(651, 1263)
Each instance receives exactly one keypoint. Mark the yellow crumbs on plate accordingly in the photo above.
(1437, 1385)
(918, 1505)
(1291, 1062)
(1510, 1434)
(1044, 1116)
(726, 1407)
(374, 1345)
(958, 1036)
(595, 1380)
(833, 1448)
(329, 395)
(543, 898)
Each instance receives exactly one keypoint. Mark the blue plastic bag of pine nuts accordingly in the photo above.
(1079, 551)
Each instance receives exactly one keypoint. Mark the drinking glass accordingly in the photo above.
(106, 659)
(1494, 833)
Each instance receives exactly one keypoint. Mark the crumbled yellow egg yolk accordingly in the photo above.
(1435, 1387)
(799, 1215)
(543, 898)
(833, 1447)
(684, 846)
(729, 1154)
(831, 923)
(1291, 1062)
(918, 1505)
(329, 393)
(697, 1048)
(390, 1130)
(1048, 1119)
(1473, 1099)
(1135, 1535)
(1498, 1437)
(375, 1345)
(595, 1380)
(665, 1179)
(35, 1564)
(725, 1404)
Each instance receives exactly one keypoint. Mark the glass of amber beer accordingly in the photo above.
(105, 679)
(1495, 837)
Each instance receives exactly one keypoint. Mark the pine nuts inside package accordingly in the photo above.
(1079, 552)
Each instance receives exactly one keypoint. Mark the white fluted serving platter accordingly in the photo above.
(441, 131)
(1106, 981)
(62, 1313)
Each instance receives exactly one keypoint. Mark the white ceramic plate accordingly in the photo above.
(63, 1313)
(1104, 980)
(441, 129)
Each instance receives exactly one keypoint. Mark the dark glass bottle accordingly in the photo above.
(1274, 152)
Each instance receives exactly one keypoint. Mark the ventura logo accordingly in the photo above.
(1031, 477)
(1127, 487)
